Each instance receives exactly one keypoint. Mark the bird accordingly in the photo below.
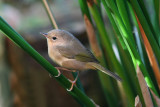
(71, 55)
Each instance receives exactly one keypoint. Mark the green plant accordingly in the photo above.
(123, 16)
(135, 52)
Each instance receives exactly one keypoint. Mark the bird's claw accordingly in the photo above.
(59, 73)
(73, 83)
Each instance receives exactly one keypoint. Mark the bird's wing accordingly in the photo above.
(78, 53)
(86, 57)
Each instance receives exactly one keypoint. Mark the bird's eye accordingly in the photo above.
(54, 38)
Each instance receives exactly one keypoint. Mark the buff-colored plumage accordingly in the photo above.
(68, 52)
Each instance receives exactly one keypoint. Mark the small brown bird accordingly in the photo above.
(68, 52)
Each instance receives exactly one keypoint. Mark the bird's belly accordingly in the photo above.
(73, 64)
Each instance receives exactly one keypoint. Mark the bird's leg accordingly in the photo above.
(73, 82)
(59, 72)
(65, 69)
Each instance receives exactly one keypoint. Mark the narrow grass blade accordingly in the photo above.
(50, 15)
(146, 28)
(150, 54)
(131, 46)
(154, 26)
(141, 48)
(107, 45)
(122, 5)
(124, 54)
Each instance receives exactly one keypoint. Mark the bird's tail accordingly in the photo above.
(104, 70)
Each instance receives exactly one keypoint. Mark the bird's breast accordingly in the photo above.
(56, 56)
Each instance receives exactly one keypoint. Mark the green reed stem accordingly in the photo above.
(18, 40)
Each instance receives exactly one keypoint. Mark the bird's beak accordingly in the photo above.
(44, 34)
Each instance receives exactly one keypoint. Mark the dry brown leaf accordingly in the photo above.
(144, 88)
(137, 102)
(92, 37)
(156, 98)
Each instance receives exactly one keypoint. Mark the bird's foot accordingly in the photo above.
(73, 83)
(59, 73)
